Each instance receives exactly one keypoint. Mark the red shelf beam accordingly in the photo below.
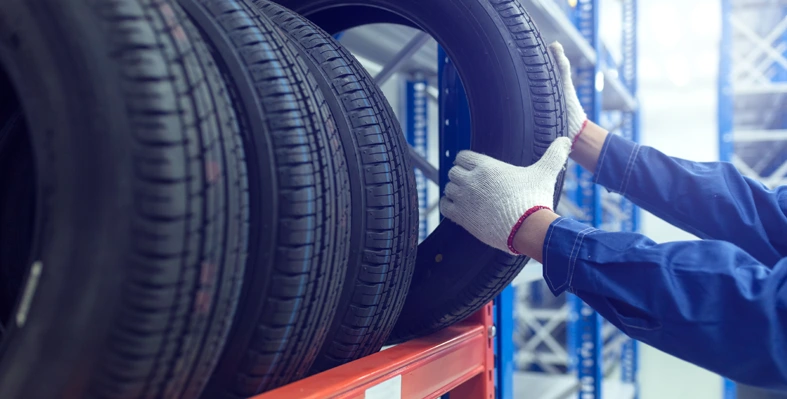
(458, 359)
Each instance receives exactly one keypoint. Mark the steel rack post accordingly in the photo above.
(416, 125)
(726, 109)
(455, 128)
(589, 84)
(455, 136)
(630, 353)
(504, 337)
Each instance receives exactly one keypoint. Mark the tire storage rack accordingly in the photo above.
(216, 208)
(564, 348)
(752, 99)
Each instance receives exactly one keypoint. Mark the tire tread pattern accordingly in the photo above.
(307, 267)
(385, 209)
(190, 206)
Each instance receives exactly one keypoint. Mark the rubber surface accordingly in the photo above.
(141, 213)
(517, 110)
(384, 206)
(300, 202)
(17, 201)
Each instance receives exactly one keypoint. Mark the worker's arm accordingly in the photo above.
(709, 200)
(707, 302)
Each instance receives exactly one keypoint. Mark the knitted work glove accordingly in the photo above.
(491, 199)
(577, 119)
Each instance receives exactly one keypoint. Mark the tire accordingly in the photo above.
(17, 177)
(133, 267)
(299, 192)
(517, 110)
(384, 203)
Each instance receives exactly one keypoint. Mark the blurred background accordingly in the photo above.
(678, 75)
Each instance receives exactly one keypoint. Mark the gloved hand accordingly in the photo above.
(491, 199)
(577, 119)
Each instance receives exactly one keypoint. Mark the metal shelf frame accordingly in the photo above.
(752, 91)
(458, 360)
(564, 336)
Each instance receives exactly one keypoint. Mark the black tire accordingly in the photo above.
(517, 110)
(139, 240)
(300, 202)
(384, 206)
(17, 204)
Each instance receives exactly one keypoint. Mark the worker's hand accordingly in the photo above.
(491, 199)
(577, 119)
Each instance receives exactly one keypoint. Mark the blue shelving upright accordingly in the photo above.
(608, 93)
(416, 117)
(587, 197)
(455, 135)
(630, 130)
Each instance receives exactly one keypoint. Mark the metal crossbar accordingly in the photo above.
(404, 55)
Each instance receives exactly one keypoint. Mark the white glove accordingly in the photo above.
(577, 119)
(491, 199)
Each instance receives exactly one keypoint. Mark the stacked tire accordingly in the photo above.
(212, 198)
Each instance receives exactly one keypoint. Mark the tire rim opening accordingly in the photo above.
(17, 201)
(410, 80)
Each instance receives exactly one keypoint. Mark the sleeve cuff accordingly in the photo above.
(616, 163)
(561, 249)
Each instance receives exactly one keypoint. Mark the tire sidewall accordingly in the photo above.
(58, 63)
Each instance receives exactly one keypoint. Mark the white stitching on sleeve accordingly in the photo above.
(574, 262)
(629, 171)
(549, 239)
(603, 156)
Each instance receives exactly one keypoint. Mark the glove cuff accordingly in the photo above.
(579, 133)
(518, 224)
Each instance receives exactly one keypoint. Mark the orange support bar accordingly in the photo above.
(458, 359)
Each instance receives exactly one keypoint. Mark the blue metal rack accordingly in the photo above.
(455, 135)
(608, 94)
(753, 94)
(587, 197)
(416, 126)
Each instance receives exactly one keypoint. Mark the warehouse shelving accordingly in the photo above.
(753, 94)
(564, 344)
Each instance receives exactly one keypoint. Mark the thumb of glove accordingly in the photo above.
(553, 161)
(563, 64)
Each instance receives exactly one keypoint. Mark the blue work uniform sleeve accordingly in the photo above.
(710, 200)
(707, 302)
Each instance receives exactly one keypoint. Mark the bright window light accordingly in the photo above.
(706, 63)
(665, 23)
(679, 71)
(599, 81)
(706, 19)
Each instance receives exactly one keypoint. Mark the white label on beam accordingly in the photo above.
(388, 389)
